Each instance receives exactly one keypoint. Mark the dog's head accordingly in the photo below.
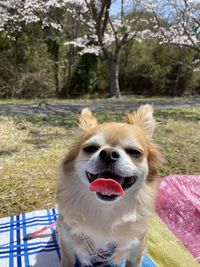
(113, 160)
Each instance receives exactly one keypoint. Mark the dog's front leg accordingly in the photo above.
(134, 260)
(67, 259)
(134, 263)
(131, 262)
(67, 255)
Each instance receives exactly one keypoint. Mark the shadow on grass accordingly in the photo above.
(187, 115)
(71, 121)
(8, 152)
(38, 143)
(68, 121)
(43, 140)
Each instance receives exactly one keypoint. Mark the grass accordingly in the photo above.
(87, 99)
(32, 147)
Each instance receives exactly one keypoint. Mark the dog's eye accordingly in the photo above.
(91, 149)
(133, 152)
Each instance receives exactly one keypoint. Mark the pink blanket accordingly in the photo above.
(178, 205)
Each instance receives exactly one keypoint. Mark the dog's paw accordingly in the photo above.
(118, 257)
(67, 263)
(133, 264)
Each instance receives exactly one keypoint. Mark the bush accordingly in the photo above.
(152, 69)
(32, 85)
(25, 69)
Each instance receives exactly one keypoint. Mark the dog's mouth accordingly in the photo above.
(109, 186)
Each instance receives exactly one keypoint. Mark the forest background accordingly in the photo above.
(48, 49)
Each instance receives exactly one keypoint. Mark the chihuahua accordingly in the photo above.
(106, 191)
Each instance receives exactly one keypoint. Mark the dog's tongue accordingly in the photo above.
(106, 187)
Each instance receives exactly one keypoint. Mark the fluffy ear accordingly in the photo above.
(143, 118)
(87, 120)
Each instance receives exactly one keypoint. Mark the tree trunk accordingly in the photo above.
(126, 61)
(19, 52)
(68, 80)
(54, 49)
(55, 54)
(113, 68)
(56, 77)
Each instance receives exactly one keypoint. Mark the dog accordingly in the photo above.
(106, 191)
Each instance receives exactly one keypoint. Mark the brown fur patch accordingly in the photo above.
(87, 120)
(155, 161)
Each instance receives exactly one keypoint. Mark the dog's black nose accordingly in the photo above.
(109, 155)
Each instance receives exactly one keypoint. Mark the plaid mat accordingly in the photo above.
(167, 247)
(42, 251)
(38, 252)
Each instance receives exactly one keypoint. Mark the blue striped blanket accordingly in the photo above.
(42, 251)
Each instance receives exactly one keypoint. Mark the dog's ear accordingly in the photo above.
(87, 120)
(144, 119)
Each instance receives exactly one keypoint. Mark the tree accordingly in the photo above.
(100, 27)
(107, 26)
(20, 22)
(109, 29)
(183, 24)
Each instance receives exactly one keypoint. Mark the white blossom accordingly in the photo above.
(91, 50)
(183, 17)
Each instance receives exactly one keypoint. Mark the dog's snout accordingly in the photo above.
(109, 155)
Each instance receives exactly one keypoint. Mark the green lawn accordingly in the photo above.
(32, 147)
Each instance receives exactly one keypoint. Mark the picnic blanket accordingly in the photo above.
(174, 236)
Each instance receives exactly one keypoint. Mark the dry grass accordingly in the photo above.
(29, 155)
(32, 147)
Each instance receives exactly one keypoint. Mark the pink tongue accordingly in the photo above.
(106, 187)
